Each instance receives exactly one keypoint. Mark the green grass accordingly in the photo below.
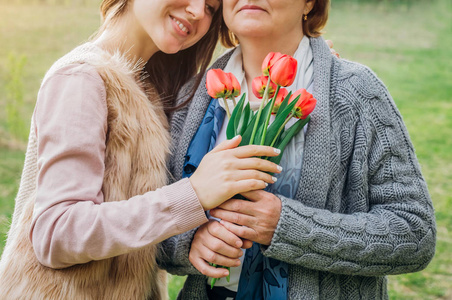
(409, 49)
(407, 44)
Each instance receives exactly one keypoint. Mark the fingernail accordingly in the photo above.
(279, 168)
(238, 244)
(277, 150)
(266, 184)
(236, 137)
(274, 179)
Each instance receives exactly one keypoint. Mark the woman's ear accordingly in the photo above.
(308, 6)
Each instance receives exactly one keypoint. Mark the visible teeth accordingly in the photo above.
(181, 26)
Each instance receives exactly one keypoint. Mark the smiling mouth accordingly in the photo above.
(181, 26)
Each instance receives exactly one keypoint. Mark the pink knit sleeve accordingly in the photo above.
(71, 222)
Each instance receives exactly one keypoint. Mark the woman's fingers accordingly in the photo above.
(207, 248)
(255, 150)
(227, 243)
(253, 174)
(241, 231)
(227, 144)
(329, 43)
(247, 185)
(235, 205)
(255, 163)
(210, 256)
(220, 260)
(247, 244)
(202, 266)
(230, 170)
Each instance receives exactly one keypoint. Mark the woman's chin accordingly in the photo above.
(253, 30)
(171, 48)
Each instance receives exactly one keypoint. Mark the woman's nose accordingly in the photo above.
(196, 9)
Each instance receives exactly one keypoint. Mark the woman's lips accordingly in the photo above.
(182, 26)
(251, 8)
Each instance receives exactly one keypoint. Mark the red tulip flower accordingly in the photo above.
(259, 84)
(218, 84)
(235, 85)
(269, 61)
(305, 104)
(281, 68)
(279, 99)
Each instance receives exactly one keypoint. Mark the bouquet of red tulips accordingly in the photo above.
(279, 71)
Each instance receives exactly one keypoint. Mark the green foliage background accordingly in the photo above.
(407, 43)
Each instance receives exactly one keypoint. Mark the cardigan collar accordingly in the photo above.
(316, 161)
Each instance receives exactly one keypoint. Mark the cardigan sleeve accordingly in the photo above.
(396, 234)
(71, 222)
(174, 251)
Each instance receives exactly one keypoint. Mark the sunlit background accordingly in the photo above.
(406, 42)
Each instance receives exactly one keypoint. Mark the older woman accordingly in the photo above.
(350, 206)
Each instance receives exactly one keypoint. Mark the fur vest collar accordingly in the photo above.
(135, 163)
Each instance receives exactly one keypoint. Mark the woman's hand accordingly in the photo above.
(228, 170)
(213, 243)
(331, 45)
(254, 220)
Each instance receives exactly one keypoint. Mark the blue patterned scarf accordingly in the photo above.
(205, 137)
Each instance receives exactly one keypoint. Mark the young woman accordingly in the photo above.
(92, 203)
(351, 205)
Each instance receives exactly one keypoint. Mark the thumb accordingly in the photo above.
(228, 144)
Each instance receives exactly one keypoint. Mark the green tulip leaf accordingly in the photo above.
(239, 114)
(244, 119)
(278, 122)
(284, 103)
(231, 129)
(259, 132)
(303, 122)
(291, 132)
(251, 114)
(249, 129)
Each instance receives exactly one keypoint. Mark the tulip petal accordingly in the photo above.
(284, 70)
(218, 84)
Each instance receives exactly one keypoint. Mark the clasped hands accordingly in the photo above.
(242, 222)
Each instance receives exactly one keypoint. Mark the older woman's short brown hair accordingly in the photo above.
(312, 27)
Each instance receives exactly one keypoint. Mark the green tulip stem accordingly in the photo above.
(267, 120)
(259, 112)
(292, 113)
(233, 101)
(226, 107)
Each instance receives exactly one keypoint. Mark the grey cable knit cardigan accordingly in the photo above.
(362, 209)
